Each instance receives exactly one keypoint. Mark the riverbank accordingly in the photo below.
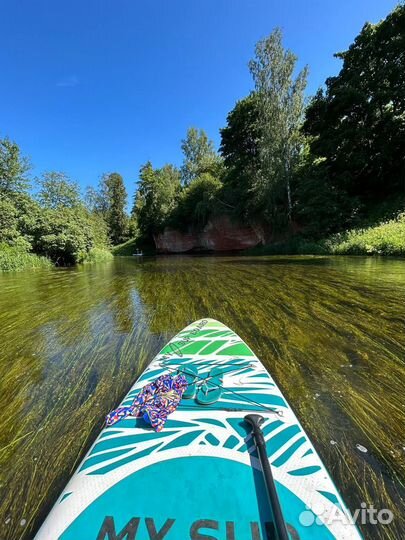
(97, 255)
(126, 249)
(13, 259)
(384, 238)
(387, 238)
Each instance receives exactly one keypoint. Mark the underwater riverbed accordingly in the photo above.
(329, 329)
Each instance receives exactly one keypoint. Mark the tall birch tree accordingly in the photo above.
(281, 104)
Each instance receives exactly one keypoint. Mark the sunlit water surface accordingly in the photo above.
(330, 330)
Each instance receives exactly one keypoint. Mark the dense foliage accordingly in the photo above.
(280, 100)
(156, 197)
(320, 169)
(385, 238)
(199, 156)
(179, 198)
(197, 201)
(116, 217)
(54, 224)
(13, 259)
(13, 168)
(356, 127)
(240, 151)
(56, 190)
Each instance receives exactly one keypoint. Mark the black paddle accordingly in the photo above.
(255, 420)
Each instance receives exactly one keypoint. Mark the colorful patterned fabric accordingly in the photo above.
(154, 402)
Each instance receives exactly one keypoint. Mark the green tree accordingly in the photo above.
(240, 150)
(100, 230)
(56, 190)
(57, 225)
(357, 125)
(320, 208)
(281, 107)
(169, 186)
(8, 222)
(199, 156)
(142, 209)
(198, 201)
(241, 136)
(28, 215)
(95, 199)
(19, 216)
(65, 235)
(116, 216)
(13, 168)
(133, 227)
(156, 197)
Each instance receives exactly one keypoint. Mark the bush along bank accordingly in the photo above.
(54, 221)
(98, 255)
(387, 238)
(13, 259)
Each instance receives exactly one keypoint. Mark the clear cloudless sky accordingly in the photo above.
(93, 86)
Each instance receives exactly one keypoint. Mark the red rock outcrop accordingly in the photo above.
(220, 234)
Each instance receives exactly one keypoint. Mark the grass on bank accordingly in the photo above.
(13, 259)
(387, 238)
(126, 249)
(97, 255)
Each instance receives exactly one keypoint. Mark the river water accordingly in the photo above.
(329, 329)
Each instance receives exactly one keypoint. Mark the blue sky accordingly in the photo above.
(95, 86)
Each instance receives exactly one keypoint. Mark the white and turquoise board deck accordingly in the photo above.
(200, 478)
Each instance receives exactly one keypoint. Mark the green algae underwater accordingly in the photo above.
(329, 329)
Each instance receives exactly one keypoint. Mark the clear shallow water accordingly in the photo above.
(330, 330)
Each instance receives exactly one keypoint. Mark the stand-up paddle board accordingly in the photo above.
(204, 476)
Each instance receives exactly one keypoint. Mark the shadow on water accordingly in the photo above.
(329, 329)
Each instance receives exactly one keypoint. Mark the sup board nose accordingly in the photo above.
(202, 476)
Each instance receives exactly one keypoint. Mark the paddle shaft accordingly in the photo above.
(255, 420)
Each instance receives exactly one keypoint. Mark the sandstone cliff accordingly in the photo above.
(219, 234)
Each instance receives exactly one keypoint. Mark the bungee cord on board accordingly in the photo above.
(215, 385)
